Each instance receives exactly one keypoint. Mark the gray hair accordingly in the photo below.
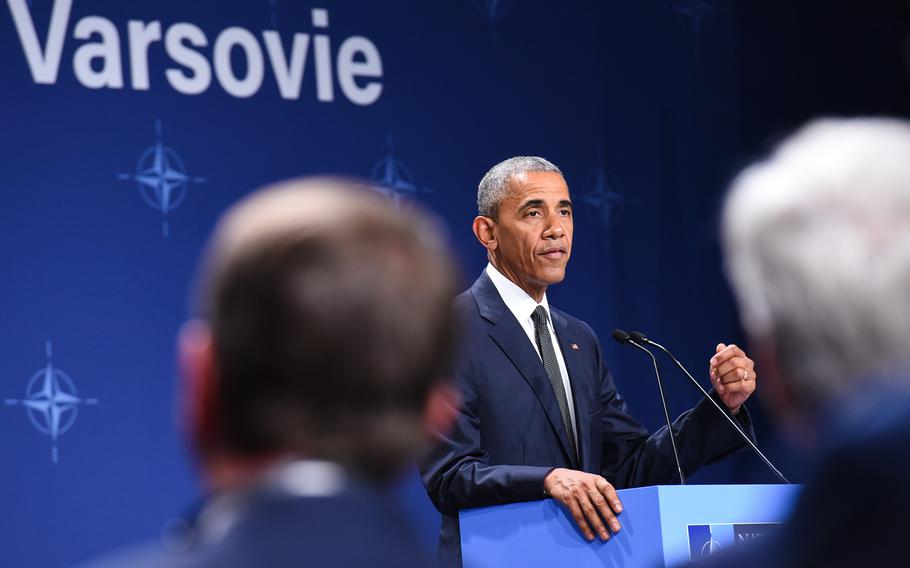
(494, 188)
(817, 246)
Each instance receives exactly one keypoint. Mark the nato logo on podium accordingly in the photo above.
(707, 539)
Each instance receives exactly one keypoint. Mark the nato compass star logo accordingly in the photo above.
(51, 402)
(696, 13)
(162, 178)
(600, 196)
(393, 178)
(492, 11)
(705, 540)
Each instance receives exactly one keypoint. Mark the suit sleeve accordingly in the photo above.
(632, 457)
(456, 471)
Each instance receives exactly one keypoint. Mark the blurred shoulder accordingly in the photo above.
(150, 554)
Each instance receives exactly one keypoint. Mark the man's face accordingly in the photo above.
(534, 231)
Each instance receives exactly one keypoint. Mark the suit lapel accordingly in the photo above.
(512, 339)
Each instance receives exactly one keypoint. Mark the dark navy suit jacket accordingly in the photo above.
(358, 527)
(509, 433)
(854, 508)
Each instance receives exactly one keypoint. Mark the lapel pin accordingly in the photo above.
(574, 346)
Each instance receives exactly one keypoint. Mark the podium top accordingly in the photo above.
(663, 525)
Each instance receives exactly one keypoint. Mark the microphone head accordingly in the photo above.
(620, 336)
(638, 337)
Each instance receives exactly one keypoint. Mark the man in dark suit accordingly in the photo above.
(817, 245)
(541, 415)
(312, 374)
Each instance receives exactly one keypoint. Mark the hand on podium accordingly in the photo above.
(590, 498)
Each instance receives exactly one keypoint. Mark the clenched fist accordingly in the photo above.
(733, 376)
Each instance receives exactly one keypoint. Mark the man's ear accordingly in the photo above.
(199, 387)
(441, 411)
(779, 398)
(483, 230)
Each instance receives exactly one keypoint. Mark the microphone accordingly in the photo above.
(638, 339)
(623, 337)
(620, 336)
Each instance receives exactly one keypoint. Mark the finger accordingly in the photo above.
(726, 353)
(579, 517)
(735, 384)
(605, 510)
(592, 513)
(736, 350)
(712, 364)
(734, 376)
(734, 364)
(736, 387)
(737, 376)
(603, 506)
(609, 492)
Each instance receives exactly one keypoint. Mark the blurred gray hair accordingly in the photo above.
(494, 187)
(817, 246)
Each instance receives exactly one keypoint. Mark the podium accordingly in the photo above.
(661, 526)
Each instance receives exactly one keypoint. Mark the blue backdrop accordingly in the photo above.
(127, 127)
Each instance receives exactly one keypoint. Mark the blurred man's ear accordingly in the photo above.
(441, 410)
(199, 387)
(483, 230)
(779, 398)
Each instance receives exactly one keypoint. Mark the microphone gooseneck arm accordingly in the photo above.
(663, 402)
(636, 338)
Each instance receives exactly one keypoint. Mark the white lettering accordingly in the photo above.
(288, 75)
(324, 88)
(236, 57)
(42, 64)
(349, 70)
(201, 77)
(141, 34)
(255, 68)
(107, 50)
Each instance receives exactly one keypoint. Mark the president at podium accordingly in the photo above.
(540, 414)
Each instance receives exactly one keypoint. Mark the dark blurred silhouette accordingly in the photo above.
(311, 377)
(817, 245)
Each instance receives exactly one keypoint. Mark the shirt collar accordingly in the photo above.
(291, 478)
(517, 300)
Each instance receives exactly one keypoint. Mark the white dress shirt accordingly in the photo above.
(522, 306)
(300, 478)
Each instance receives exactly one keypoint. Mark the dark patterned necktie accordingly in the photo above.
(552, 367)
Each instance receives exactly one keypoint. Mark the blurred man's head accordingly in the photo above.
(817, 245)
(525, 222)
(325, 328)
